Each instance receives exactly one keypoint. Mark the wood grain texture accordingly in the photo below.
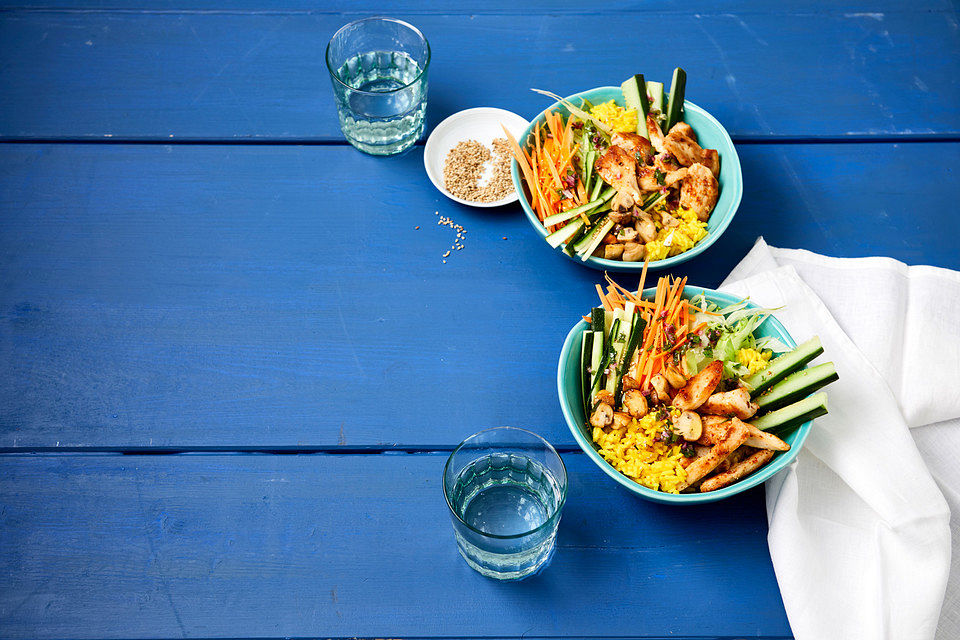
(282, 297)
(239, 75)
(477, 7)
(110, 546)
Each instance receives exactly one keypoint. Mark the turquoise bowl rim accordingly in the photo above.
(618, 265)
(571, 353)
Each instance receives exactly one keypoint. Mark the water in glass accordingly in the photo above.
(382, 117)
(506, 494)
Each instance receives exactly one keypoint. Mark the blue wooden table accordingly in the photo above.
(232, 361)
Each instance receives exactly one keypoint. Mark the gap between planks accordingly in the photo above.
(740, 140)
(252, 450)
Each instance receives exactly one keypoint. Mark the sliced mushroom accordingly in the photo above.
(627, 234)
(621, 420)
(602, 416)
(646, 227)
(612, 251)
(676, 379)
(633, 252)
(661, 387)
(635, 403)
(668, 220)
(688, 425)
(623, 201)
(604, 397)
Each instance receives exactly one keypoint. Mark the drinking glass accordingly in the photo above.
(505, 488)
(378, 67)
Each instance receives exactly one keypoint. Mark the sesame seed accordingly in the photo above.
(463, 169)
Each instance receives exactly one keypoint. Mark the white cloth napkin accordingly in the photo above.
(860, 533)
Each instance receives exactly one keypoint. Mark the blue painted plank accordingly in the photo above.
(244, 76)
(475, 7)
(109, 546)
(282, 296)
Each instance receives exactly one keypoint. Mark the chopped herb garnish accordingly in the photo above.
(659, 176)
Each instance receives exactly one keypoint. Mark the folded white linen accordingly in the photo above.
(860, 533)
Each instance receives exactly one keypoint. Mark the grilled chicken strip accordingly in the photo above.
(699, 192)
(647, 180)
(688, 152)
(716, 428)
(631, 143)
(665, 162)
(619, 169)
(704, 465)
(737, 471)
(684, 129)
(699, 388)
(656, 135)
(730, 403)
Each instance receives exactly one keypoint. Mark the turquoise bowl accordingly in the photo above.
(711, 134)
(568, 387)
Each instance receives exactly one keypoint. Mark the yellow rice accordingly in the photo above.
(634, 453)
(615, 116)
(672, 241)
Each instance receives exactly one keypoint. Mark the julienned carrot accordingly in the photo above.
(603, 299)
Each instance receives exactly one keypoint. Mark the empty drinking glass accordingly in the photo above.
(378, 67)
(505, 488)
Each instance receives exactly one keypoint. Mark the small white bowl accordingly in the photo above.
(481, 124)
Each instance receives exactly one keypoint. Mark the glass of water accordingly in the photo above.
(378, 67)
(505, 488)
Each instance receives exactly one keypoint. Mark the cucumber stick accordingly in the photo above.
(588, 208)
(563, 216)
(675, 103)
(652, 200)
(600, 373)
(584, 231)
(783, 365)
(797, 385)
(591, 158)
(793, 414)
(617, 342)
(596, 318)
(655, 92)
(586, 354)
(635, 97)
(595, 193)
(596, 357)
(560, 236)
(620, 341)
(595, 238)
(636, 334)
